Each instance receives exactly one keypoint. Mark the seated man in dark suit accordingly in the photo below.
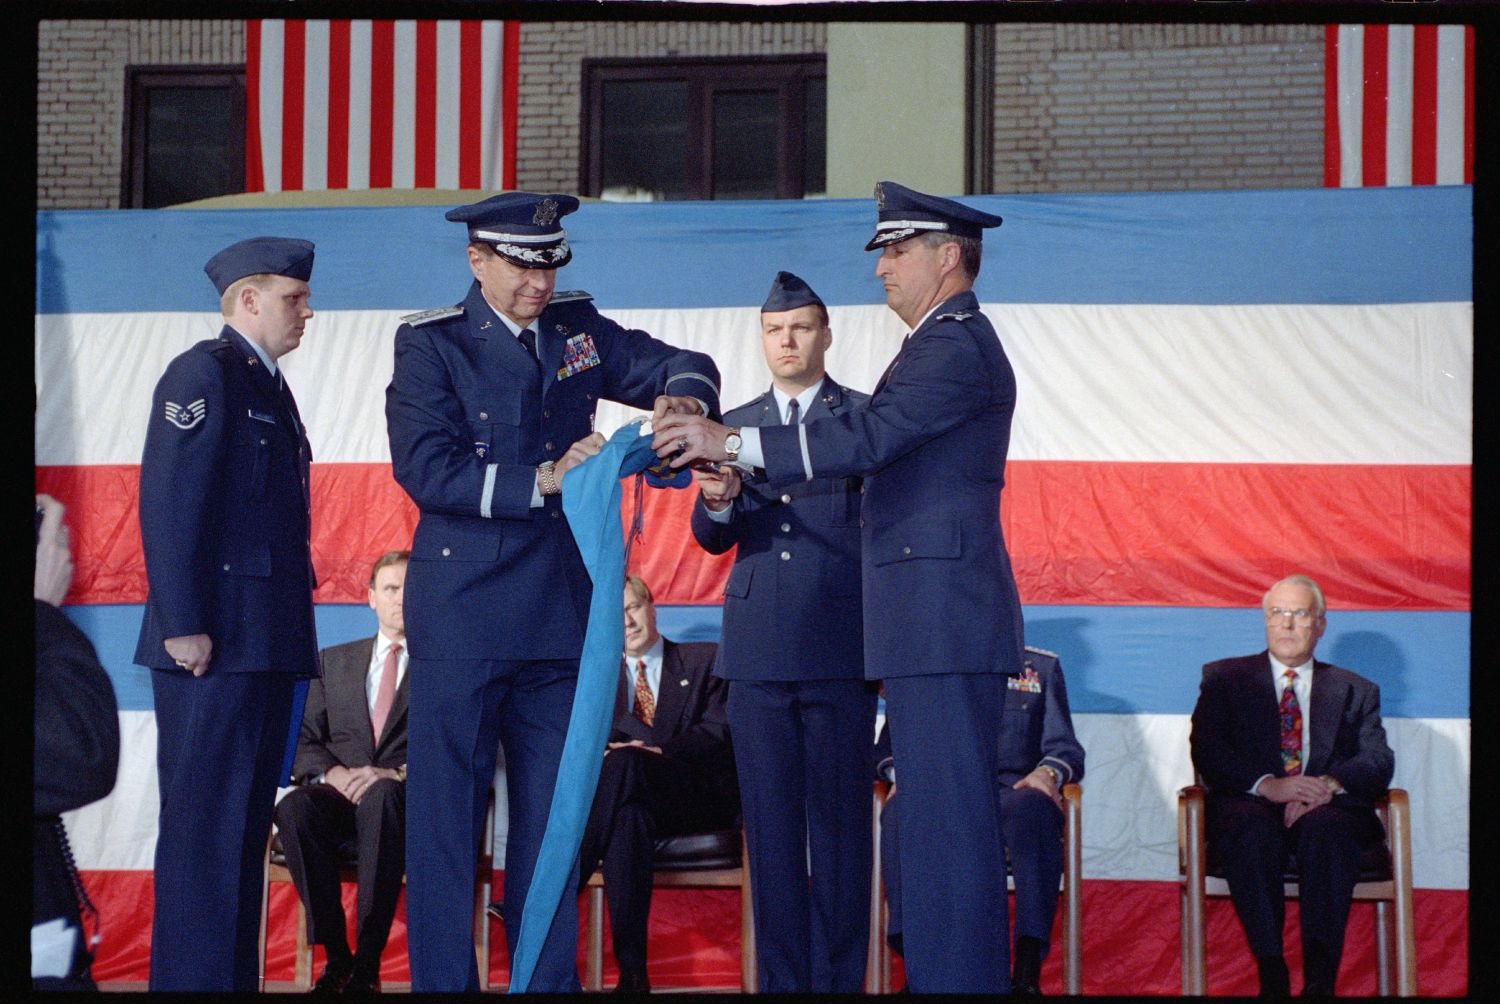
(669, 769)
(1038, 755)
(350, 771)
(1293, 755)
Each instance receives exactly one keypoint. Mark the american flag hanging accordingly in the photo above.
(380, 104)
(1398, 105)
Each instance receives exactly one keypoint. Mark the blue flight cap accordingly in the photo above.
(788, 293)
(286, 256)
(905, 213)
(524, 228)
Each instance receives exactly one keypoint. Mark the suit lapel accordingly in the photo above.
(671, 694)
(351, 690)
(398, 710)
(1328, 698)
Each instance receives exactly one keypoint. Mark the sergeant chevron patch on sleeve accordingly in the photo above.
(185, 416)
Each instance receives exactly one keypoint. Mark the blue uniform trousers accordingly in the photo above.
(1032, 824)
(220, 743)
(802, 755)
(460, 713)
(945, 737)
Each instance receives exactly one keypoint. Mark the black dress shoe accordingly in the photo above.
(1275, 981)
(633, 982)
(335, 976)
(362, 981)
(1026, 976)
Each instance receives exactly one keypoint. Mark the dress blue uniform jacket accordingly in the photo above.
(490, 577)
(792, 600)
(939, 594)
(224, 515)
(1036, 728)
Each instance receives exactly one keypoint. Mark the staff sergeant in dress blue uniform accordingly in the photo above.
(941, 612)
(491, 404)
(228, 627)
(800, 710)
(1038, 755)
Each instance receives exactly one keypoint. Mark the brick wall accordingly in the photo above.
(1157, 107)
(1078, 107)
(81, 96)
(552, 54)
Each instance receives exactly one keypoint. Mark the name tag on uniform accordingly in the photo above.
(261, 416)
(579, 354)
(1027, 682)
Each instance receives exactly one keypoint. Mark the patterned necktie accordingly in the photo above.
(793, 412)
(645, 704)
(1291, 727)
(385, 692)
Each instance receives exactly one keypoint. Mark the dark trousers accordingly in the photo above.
(460, 714)
(802, 755)
(314, 823)
(1251, 845)
(945, 737)
(643, 796)
(1032, 824)
(220, 742)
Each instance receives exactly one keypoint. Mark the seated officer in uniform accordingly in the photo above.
(351, 774)
(1038, 755)
(668, 770)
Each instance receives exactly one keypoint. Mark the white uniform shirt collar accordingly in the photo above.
(265, 357)
(804, 400)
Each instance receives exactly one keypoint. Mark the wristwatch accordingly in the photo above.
(732, 445)
(547, 479)
(1056, 777)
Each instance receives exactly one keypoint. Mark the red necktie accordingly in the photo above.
(385, 692)
(645, 704)
(1291, 727)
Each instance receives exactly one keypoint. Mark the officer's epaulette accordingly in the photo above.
(571, 296)
(1041, 651)
(422, 317)
(956, 315)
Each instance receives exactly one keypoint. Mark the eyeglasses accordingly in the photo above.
(1301, 615)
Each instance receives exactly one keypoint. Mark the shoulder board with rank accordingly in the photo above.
(1033, 650)
(422, 317)
(955, 315)
(571, 296)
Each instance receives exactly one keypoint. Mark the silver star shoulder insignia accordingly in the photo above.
(422, 317)
(955, 315)
(185, 416)
(1034, 650)
(571, 296)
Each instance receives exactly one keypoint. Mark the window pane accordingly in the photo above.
(745, 144)
(815, 138)
(189, 151)
(643, 148)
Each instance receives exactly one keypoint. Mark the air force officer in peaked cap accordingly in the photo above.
(228, 627)
(490, 405)
(942, 618)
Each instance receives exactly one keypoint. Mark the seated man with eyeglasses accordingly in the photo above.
(1293, 755)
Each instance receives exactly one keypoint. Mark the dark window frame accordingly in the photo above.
(139, 81)
(705, 76)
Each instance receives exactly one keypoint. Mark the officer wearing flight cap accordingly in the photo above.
(490, 405)
(228, 627)
(942, 617)
(800, 710)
